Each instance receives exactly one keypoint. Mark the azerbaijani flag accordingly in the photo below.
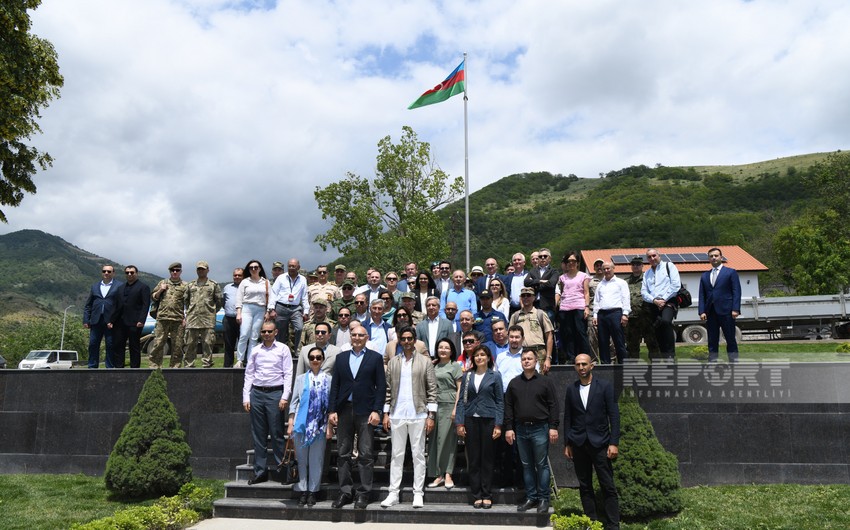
(451, 86)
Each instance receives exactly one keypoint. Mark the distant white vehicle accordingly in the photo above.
(49, 360)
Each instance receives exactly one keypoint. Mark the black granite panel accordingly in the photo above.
(740, 438)
(219, 434)
(110, 391)
(214, 396)
(78, 434)
(711, 474)
(795, 474)
(40, 390)
(18, 432)
(673, 432)
(817, 438)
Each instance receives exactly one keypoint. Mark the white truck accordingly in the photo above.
(49, 360)
(785, 317)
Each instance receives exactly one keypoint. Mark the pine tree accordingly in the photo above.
(151, 457)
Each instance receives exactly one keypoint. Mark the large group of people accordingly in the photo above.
(429, 356)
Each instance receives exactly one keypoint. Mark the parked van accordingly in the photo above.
(49, 359)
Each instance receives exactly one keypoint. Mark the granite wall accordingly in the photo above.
(742, 424)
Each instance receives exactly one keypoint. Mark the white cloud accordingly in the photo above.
(198, 129)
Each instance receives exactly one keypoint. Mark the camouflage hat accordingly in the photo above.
(175, 265)
(348, 283)
(637, 260)
(485, 294)
(527, 290)
(408, 294)
(340, 268)
(320, 301)
(277, 265)
(202, 265)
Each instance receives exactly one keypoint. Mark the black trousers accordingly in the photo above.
(350, 423)
(480, 456)
(586, 458)
(231, 336)
(610, 329)
(127, 335)
(573, 330)
(664, 331)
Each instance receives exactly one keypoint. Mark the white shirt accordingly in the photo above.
(612, 294)
(584, 392)
(405, 409)
(104, 288)
(433, 326)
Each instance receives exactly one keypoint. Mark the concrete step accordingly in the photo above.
(458, 495)
(404, 513)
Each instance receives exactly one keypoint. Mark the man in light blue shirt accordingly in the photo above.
(288, 303)
(464, 298)
(661, 284)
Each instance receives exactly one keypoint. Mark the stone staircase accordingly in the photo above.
(273, 500)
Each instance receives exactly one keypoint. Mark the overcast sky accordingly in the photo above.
(199, 129)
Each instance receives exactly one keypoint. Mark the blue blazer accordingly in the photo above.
(599, 423)
(479, 285)
(724, 296)
(368, 388)
(488, 401)
(101, 309)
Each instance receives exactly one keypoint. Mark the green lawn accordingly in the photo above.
(768, 507)
(803, 351)
(33, 502)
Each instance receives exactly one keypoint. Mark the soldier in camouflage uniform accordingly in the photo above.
(408, 301)
(592, 333)
(322, 288)
(169, 318)
(346, 300)
(640, 320)
(202, 300)
(318, 314)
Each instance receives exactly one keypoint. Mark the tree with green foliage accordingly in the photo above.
(647, 476)
(390, 218)
(814, 250)
(29, 80)
(151, 457)
(19, 338)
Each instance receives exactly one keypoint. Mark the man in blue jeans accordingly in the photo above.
(531, 419)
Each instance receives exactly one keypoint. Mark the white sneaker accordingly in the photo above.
(418, 501)
(391, 500)
(238, 364)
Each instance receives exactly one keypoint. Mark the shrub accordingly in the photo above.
(647, 476)
(167, 513)
(574, 522)
(844, 347)
(151, 457)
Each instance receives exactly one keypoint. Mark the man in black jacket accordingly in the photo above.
(591, 435)
(137, 302)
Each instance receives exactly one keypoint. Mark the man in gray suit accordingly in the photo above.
(434, 327)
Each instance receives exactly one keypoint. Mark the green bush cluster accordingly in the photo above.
(647, 476)
(844, 347)
(574, 522)
(151, 457)
(167, 513)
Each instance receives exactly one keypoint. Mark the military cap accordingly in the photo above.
(340, 268)
(485, 294)
(320, 301)
(202, 265)
(175, 265)
(277, 265)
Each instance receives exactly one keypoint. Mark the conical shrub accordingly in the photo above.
(647, 476)
(151, 457)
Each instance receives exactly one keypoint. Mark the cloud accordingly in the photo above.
(198, 129)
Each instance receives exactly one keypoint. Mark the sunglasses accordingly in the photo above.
(322, 272)
(254, 267)
(407, 339)
(469, 341)
(321, 332)
(106, 272)
(315, 357)
(360, 303)
(175, 270)
(267, 331)
(344, 315)
(392, 279)
(129, 273)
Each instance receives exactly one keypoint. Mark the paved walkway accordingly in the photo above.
(266, 524)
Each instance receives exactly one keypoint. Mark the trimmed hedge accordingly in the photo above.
(151, 457)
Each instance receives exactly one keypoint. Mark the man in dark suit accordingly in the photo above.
(544, 279)
(102, 310)
(591, 435)
(491, 272)
(720, 305)
(358, 390)
(434, 327)
(136, 302)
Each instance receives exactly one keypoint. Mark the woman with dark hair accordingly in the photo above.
(425, 287)
(308, 423)
(572, 296)
(480, 410)
(501, 302)
(252, 299)
(389, 306)
(402, 320)
(441, 452)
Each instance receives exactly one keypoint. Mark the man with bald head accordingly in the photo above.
(358, 390)
(591, 437)
(611, 308)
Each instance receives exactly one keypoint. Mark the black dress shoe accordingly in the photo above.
(543, 507)
(256, 479)
(527, 505)
(311, 499)
(362, 501)
(303, 499)
(344, 498)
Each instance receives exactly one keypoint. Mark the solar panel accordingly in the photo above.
(690, 258)
(621, 259)
(674, 258)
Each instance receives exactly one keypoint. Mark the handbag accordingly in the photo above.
(288, 467)
(683, 297)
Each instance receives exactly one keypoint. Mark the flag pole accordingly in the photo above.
(466, 152)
